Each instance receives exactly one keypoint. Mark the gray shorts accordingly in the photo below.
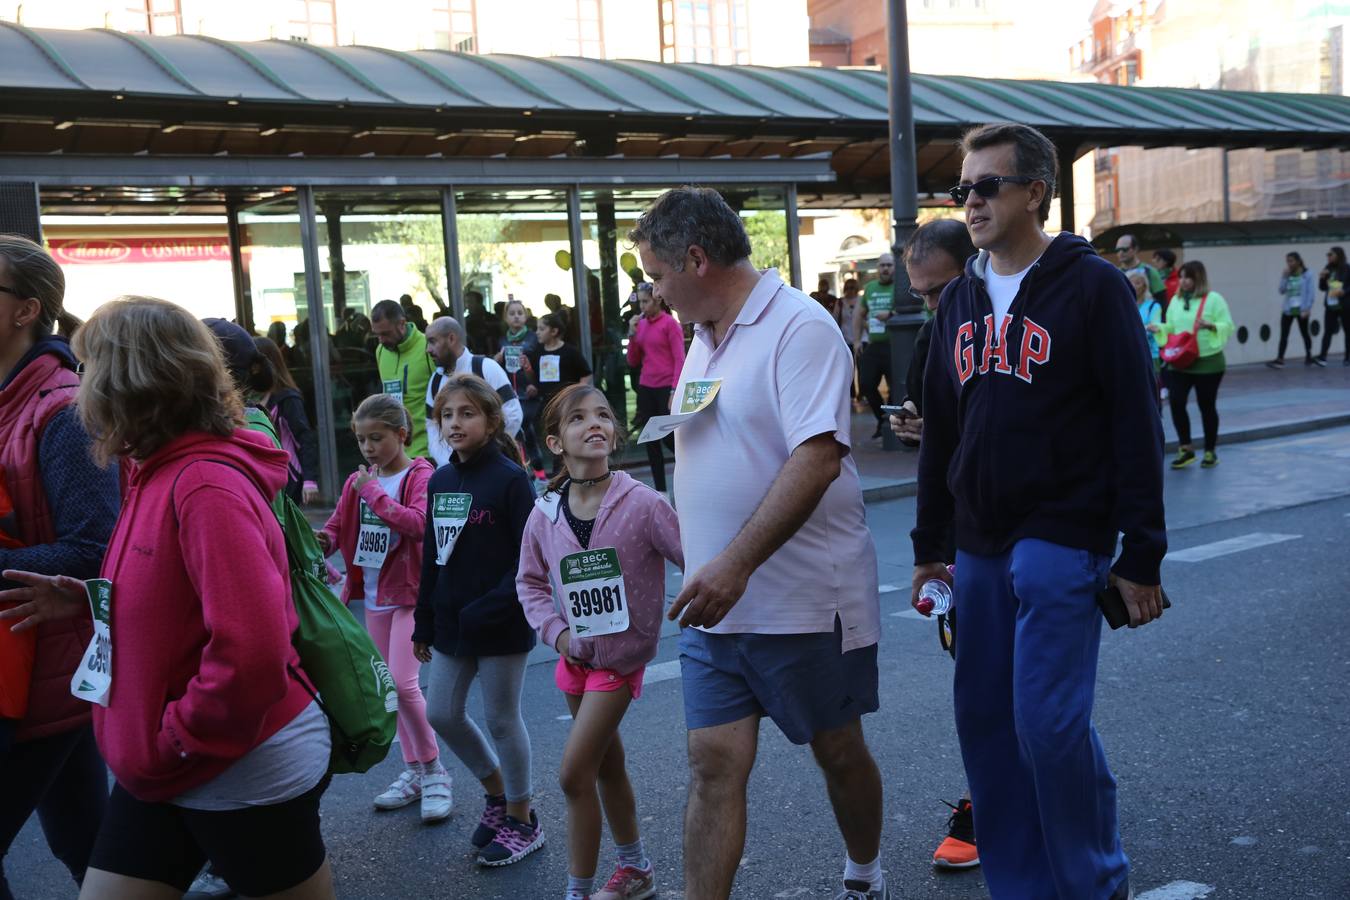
(805, 683)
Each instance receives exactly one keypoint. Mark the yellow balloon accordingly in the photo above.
(627, 262)
(563, 259)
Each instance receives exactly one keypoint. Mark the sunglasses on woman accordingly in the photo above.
(987, 188)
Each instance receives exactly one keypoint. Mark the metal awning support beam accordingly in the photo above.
(794, 236)
(318, 344)
(574, 240)
(386, 172)
(450, 235)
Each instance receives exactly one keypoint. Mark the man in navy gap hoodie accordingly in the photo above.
(1041, 442)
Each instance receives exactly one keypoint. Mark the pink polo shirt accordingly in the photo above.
(785, 374)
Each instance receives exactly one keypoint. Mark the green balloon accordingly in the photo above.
(563, 259)
(628, 262)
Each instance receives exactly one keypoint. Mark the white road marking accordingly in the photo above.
(912, 614)
(1178, 890)
(1231, 545)
(565, 717)
(661, 672)
(888, 588)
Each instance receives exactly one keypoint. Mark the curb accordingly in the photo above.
(909, 487)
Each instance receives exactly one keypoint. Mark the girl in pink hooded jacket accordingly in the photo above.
(602, 540)
(377, 527)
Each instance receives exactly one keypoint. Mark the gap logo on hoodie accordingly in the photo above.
(1033, 350)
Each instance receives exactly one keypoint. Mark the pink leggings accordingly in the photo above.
(392, 632)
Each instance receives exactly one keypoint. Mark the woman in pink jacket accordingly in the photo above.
(603, 540)
(378, 527)
(199, 701)
(657, 345)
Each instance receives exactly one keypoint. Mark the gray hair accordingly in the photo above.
(684, 217)
(1034, 156)
(33, 273)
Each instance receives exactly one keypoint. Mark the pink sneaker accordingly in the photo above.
(628, 883)
(493, 818)
(515, 840)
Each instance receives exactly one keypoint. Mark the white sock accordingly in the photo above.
(868, 872)
(433, 768)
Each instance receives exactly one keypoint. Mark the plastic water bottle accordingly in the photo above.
(935, 598)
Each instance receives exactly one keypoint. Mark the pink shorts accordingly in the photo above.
(577, 680)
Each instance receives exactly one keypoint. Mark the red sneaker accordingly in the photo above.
(628, 883)
(957, 850)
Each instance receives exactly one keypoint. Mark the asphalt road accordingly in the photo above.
(1226, 725)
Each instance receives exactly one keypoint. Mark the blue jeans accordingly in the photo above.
(1026, 669)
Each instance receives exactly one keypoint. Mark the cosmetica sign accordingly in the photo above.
(103, 251)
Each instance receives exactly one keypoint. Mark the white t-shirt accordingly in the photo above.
(785, 373)
(1002, 289)
(497, 379)
(370, 577)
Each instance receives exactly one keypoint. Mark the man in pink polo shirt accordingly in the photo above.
(780, 596)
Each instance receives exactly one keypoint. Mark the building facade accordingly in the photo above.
(758, 32)
(980, 38)
(1294, 46)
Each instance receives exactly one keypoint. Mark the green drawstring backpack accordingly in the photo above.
(342, 669)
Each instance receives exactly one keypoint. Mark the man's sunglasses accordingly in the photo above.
(987, 188)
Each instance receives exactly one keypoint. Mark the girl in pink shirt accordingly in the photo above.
(378, 526)
(657, 346)
(602, 538)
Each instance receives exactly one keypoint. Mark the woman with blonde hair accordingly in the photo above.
(219, 751)
(64, 507)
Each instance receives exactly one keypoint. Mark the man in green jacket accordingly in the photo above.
(405, 366)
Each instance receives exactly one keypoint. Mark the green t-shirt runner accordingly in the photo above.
(879, 298)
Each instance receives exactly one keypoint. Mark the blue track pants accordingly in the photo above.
(1027, 634)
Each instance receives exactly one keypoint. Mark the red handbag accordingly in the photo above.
(1183, 349)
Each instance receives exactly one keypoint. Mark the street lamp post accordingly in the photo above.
(904, 323)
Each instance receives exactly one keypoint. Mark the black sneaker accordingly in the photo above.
(876, 434)
(1184, 459)
(957, 850)
(1275, 364)
(1320, 362)
(514, 841)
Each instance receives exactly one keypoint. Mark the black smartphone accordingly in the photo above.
(1112, 605)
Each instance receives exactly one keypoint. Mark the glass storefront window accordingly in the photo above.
(386, 246)
(513, 245)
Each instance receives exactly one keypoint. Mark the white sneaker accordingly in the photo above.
(208, 886)
(436, 802)
(405, 789)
